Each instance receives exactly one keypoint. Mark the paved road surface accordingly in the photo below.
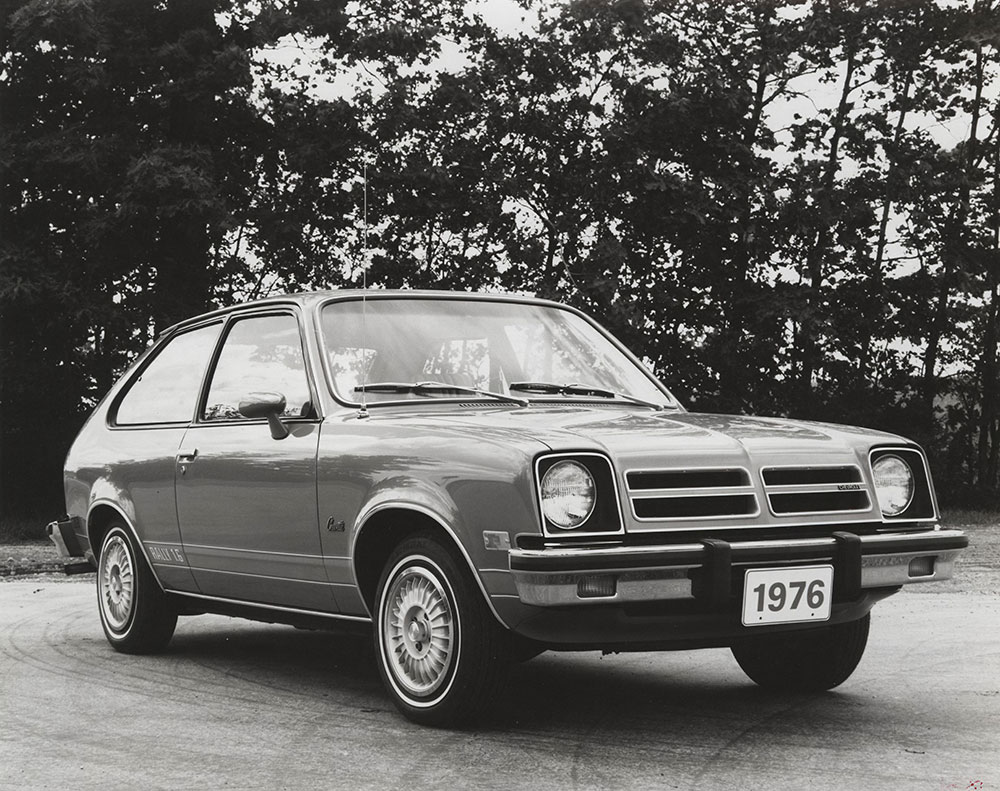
(236, 705)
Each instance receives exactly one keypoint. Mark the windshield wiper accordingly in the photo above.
(432, 388)
(575, 388)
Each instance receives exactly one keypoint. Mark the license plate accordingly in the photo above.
(787, 595)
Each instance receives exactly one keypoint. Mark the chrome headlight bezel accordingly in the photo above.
(922, 505)
(603, 516)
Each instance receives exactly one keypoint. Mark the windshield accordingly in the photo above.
(477, 344)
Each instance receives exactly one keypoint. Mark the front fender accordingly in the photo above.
(429, 509)
(413, 494)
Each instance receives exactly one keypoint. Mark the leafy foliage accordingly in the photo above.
(786, 208)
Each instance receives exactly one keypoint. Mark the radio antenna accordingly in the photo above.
(363, 411)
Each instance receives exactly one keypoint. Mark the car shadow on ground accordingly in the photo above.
(570, 692)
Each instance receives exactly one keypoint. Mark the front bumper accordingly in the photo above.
(711, 570)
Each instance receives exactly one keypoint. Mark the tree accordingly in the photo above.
(635, 158)
(131, 138)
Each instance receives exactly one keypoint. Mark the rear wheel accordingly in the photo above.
(135, 613)
(811, 661)
(441, 654)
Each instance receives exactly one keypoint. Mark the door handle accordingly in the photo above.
(183, 459)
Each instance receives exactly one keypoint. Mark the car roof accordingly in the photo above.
(308, 299)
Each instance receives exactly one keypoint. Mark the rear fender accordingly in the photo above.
(101, 514)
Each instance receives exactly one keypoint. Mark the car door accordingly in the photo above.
(149, 419)
(246, 502)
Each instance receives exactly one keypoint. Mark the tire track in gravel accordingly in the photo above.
(257, 706)
(222, 674)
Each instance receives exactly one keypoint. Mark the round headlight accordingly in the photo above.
(568, 494)
(893, 484)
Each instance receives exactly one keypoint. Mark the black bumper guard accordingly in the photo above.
(715, 582)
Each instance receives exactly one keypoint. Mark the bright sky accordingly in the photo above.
(508, 17)
(504, 15)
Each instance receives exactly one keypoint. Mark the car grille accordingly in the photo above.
(815, 490)
(728, 492)
(720, 493)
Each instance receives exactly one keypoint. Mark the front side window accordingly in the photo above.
(262, 354)
(167, 389)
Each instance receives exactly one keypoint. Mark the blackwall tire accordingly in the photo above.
(810, 661)
(135, 613)
(441, 654)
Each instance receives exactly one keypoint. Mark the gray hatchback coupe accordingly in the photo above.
(478, 479)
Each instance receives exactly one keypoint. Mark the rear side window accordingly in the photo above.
(167, 389)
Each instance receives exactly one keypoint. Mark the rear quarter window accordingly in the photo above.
(167, 389)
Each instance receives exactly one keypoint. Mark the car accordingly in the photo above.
(476, 479)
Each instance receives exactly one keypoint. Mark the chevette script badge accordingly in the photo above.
(165, 554)
(848, 487)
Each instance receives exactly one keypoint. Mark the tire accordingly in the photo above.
(135, 613)
(441, 654)
(811, 661)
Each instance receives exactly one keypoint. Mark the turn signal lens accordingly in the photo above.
(596, 587)
(893, 484)
(568, 494)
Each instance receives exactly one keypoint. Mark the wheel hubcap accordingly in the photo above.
(419, 631)
(117, 583)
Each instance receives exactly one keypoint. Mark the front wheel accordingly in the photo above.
(441, 654)
(811, 661)
(135, 613)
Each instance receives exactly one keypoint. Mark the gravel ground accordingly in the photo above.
(976, 571)
(36, 557)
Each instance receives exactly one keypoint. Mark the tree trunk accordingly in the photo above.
(736, 367)
(987, 454)
(953, 253)
(182, 255)
(808, 341)
(878, 268)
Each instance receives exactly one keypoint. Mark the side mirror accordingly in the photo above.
(266, 405)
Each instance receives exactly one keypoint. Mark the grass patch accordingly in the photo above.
(25, 529)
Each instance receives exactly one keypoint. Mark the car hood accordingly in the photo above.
(624, 432)
(643, 442)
